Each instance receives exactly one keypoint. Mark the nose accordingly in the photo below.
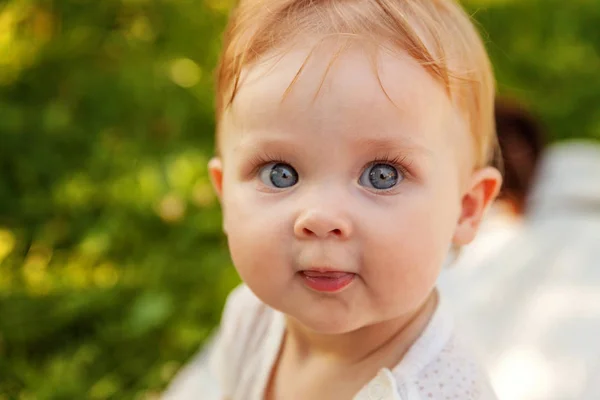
(322, 224)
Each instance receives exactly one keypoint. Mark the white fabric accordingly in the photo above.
(568, 179)
(242, 357)
(196, 381)
(532, 308)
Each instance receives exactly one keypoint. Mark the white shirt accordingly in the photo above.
(532, 308)
(239, 361)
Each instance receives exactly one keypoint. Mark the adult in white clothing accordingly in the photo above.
(533, 306)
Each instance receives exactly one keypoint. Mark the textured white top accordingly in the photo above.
(237, 365)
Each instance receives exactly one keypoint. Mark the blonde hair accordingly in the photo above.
(436, 33)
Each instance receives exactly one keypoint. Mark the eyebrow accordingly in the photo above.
(388, 144)
(265, 144)
(384, 144)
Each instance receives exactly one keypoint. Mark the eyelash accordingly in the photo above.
(402, 164)
(260, 160)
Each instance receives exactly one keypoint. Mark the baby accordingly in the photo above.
(355, 150)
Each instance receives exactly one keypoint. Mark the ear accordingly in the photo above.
(215, 170)
(481, 192)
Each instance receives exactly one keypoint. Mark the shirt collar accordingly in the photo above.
(382, 387)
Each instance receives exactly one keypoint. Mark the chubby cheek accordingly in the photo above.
(410, 247)
(257, 237)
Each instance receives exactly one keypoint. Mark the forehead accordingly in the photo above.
(361, 90)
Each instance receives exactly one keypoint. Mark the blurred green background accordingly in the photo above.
(113, 268)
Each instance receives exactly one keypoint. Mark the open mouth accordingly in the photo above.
(327, 281)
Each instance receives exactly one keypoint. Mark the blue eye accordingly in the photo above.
(279, 175)
(380, 176)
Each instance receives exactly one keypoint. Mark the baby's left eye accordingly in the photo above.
(380, 176)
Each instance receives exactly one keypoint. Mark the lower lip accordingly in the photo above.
(328, 282)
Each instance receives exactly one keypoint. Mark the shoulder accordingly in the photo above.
(244, 323)
(245, 326)
(439, 366)
(244, 315)
(217, 368)
(453, 374)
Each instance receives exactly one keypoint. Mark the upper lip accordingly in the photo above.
(325, 270)
(322, 269)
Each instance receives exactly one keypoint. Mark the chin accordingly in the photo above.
(328, 323)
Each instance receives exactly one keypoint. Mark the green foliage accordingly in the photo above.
(113, 268)
(547, 55)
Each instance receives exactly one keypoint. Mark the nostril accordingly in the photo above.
(336, 232)
(307, 232)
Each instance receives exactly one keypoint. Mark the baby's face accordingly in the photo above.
(345, 179)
